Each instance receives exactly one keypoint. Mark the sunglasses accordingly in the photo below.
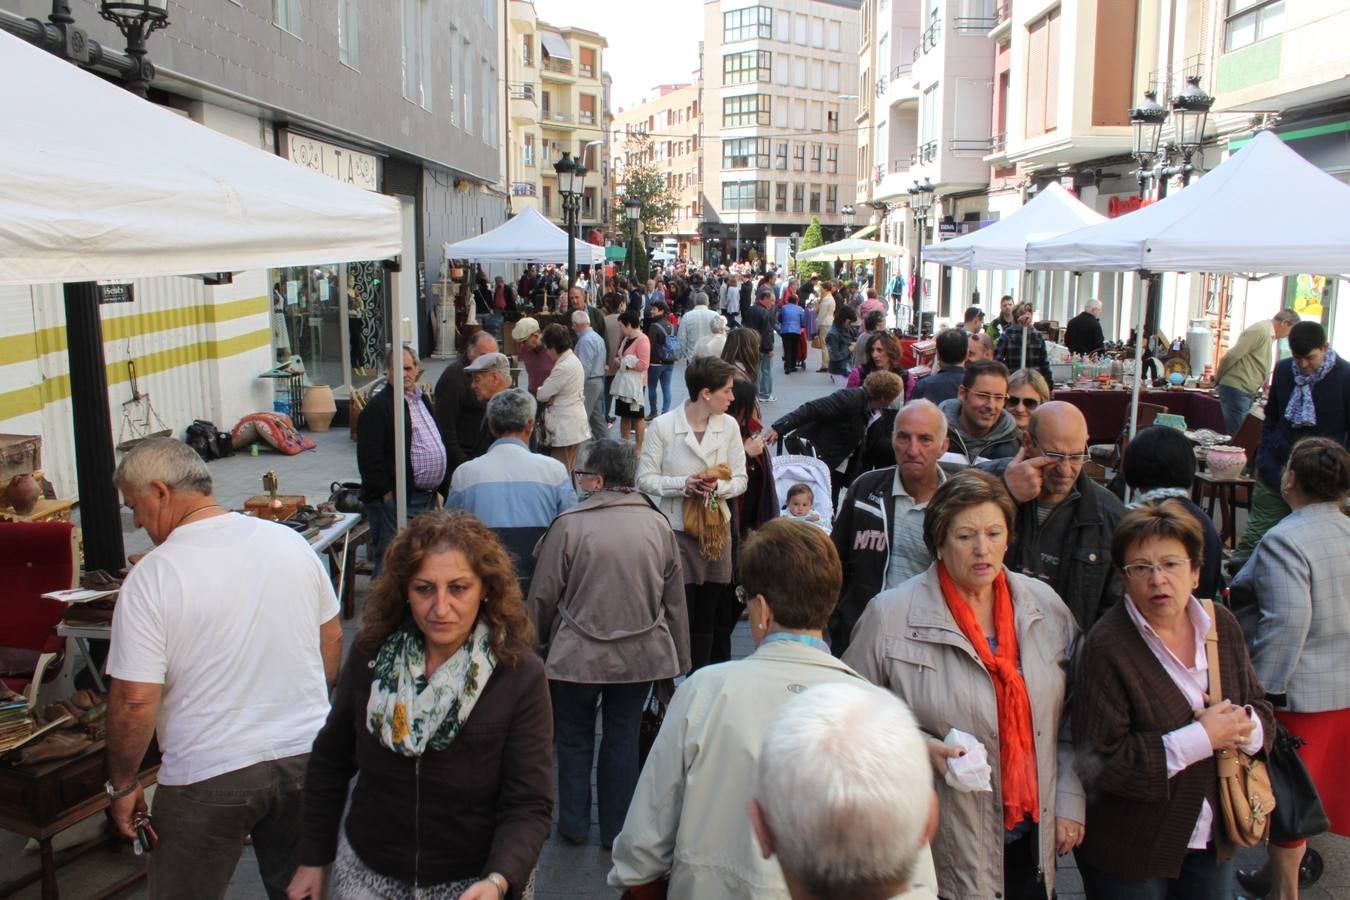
(1029, 402)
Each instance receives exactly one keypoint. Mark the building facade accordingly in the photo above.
(663, 131)
(780, 122)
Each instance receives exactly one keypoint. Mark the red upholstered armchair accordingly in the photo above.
(35, 557)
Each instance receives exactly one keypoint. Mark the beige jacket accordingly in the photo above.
(564, 394)
(688, 816)
(908, 642)
(671, 453)
(825, 314)
(610, 611)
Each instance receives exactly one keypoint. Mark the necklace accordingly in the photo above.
(194, 511)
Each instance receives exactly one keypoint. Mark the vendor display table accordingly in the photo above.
(1105, 410)
(40, 801)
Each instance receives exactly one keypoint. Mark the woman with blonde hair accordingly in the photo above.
(1026, 391)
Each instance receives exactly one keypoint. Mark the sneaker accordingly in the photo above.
(769, 399)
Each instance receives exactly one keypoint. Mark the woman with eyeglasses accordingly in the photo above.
(1026, 391)
(1147, 721)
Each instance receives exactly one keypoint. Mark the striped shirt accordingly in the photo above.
(428, 453)
(909, 554)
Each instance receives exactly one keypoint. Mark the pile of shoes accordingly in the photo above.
(67, 728)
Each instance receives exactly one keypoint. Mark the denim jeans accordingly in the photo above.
(1202, 877)
(574, 707)
(765, 376)
(1235, 405)
(658, 374)
(202, 827)
(380, 517)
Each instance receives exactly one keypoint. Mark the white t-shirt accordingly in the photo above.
(226, 614)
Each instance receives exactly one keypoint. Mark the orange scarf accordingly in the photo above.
(1017, 752)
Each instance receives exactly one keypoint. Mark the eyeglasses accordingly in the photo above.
(1172, 568)
(986, 397)
(1075, 458)
(583, 474)
(1029, 402)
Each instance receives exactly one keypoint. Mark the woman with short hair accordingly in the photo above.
(972, 646)
(442, 714)
(566, 424)
(1027, 390)
(1147, 721)
(632, 361)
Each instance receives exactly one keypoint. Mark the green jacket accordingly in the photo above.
(1246, 365)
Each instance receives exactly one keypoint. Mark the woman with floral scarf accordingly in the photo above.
(442, 713)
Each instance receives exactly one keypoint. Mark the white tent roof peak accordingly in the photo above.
(527, 237)
(1263, 210)
(1003, 244)
(167, 196)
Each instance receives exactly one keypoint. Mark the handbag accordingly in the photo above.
(1245, 796)
(818, 342)
(545, 443)
(653, 714)
(1298, 807)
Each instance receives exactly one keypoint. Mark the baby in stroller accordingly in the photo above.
(801, 506)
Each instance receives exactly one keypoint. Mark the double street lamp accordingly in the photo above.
(571, 182)
(632, 211)
(921, 197)
(1190, 113)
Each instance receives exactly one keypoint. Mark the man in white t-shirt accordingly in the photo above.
(225, 643)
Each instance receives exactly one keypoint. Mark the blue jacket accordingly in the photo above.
(941, 385)
(791, 318)
(1331, 399)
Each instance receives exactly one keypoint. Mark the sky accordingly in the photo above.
(651, 42)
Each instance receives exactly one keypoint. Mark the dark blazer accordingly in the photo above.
(1084, 334)
(1139, 820)
(483, 804)
(1331, 398)
(940, 385)
(460, 416)
(375, 447)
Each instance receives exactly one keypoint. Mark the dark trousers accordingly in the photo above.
(703, 601)
(790, 349)
(202, 828)
(574, 708)
(726, 616)
(380, 517)
(1202, 877)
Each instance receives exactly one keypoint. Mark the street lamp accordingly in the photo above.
(570, 176)
(796, 238)
(921, 197)
(847, 213)
(1190, 109)
(632, 211)
(137, 20)
(1147, 120)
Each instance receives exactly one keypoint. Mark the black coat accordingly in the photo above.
(765, 322)
(460, 416)
(1331, 399)
(1084, 334)
(375, 447)
(836, 425)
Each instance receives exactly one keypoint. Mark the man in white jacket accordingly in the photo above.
(688, 819)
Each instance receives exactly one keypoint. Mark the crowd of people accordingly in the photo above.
(978, 661)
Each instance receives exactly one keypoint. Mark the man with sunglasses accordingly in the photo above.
(978, 426)
(1064, 522)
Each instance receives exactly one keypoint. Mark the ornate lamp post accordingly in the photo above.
(1146, 122)
(571, 175)
(1190, 112)
(920, 202)
(632, 211)
(847, 213)
(137, 20)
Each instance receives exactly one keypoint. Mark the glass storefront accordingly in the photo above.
(333, 318)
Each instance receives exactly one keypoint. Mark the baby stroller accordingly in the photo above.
(796, 463)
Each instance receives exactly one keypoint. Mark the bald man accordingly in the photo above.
(980, 346)
(1064, 519)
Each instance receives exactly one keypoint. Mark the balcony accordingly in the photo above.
(522, 14)
(587, 117)
(901, 87)
(1002, 20)
(552, 118)
(973, 26)
(971, 146)
(523, 189)
(557, 69)
(998, 149)
(523, 108)
(929, 40)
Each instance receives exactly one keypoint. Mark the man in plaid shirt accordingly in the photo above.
(1009, 350)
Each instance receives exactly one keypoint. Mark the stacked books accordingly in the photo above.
(16, 724)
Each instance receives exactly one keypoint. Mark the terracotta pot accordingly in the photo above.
(318, 407)
(1226, 461)
(22, 493)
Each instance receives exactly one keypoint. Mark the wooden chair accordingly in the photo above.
(35, 558)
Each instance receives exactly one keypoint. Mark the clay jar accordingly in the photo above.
(319, 407)
(1225, 461)
(22, 493)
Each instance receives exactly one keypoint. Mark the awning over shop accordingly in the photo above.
(555, 46)
(151, 193)
(850, 248)
(865, 232)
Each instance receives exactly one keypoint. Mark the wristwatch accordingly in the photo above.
(118, 793)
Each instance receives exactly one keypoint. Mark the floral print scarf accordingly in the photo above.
(410, 713)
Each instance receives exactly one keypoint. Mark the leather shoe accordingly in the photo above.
(1256, 882)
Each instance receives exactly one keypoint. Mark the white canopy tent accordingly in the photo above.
(1264, 210)
(157, 194)
(850, 248)
(1003, 245)
(527, 237)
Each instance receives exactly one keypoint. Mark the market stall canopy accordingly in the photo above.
(1264, 210)
(525, 238)
(1003, 245)
(100, 184)
(850, 248)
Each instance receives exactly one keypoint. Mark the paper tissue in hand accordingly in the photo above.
(968, 773)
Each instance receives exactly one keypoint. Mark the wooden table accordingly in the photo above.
(1224, 491)
(42, 800)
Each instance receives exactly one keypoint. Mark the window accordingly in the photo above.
(467, 59)
(832, 160)
(816, 75)
(745, 153)
(831, 120)
(799, 71)
(588, 203)
(832, 28)
(526, 51)
(815, 200)
(831, 198)
(747, 67)
(799, 157)
(587, 109)
(1042, 107)
(417, 55)
(832, 77)
(780, 156)
(782, 64)
(815, 157)
(780, 197)
(817, 32)
(799, 198)
(529, 150)
(799, 29)
(737, 195)
(782, 29)
(349, 12)
(489, 95)
(586, 65)
(928, 115)
(747, 24)
(286, 15)
(1249, 21)
(747, 109)
(548, 201)
(454, 78)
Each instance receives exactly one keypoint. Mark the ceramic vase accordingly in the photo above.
(1226, 461)
(22, 493)
(319, 407)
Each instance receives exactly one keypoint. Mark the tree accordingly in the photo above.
(640, 264)
(813, 238)
(639, 178)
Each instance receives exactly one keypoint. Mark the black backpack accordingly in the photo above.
(209, 442)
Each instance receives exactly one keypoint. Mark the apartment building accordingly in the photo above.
(670, 121)
(558, 99)
(780, 121)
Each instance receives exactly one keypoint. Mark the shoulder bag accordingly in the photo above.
(1245, 796)
(1298, 807)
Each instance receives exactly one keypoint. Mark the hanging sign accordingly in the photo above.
(115, 292)
(348, 166)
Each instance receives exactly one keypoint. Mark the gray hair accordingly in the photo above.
(510, 411)
(395, 348)
(700, 298)
(613, 460)
(929, 406)
(163, 459)
(479, 337)
(581, 317)
(1093, 305)
(719, 325)
(840, 783)
(1286, 315)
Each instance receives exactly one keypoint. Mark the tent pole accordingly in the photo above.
(395, 332)
(1139, 294)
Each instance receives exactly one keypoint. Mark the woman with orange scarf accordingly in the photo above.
(973, 648)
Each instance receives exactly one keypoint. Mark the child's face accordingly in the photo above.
(800, 504)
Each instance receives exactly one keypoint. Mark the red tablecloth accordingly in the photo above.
(1106, 410)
